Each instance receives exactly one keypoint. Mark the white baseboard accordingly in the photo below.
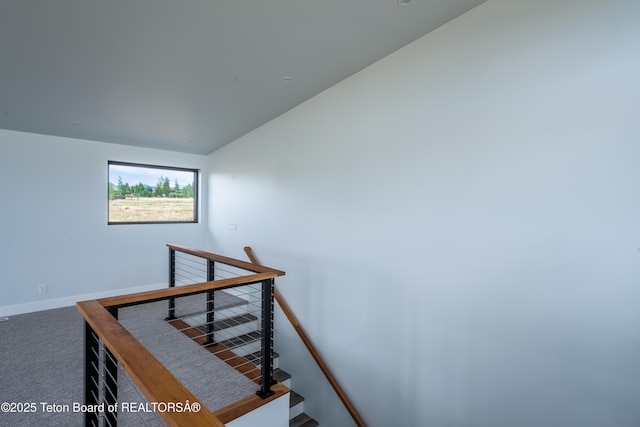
(30, 307)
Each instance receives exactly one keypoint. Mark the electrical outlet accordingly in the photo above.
(42, 289)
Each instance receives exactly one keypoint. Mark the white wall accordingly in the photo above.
(53, 227)
(459, 222)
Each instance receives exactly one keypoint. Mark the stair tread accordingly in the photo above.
(294, 398)
(280, 375)
(223, 300)
(242, 340)
(230, 322)
(256, 357)
(302, 420)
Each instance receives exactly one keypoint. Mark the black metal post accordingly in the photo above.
(172, 283)
(111, 380)
(210, 340)
(91, 373)
(266, 350)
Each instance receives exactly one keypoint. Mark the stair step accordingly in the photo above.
(234, 325)
(226, 323)
(242, 339)
(225, 305)
(296, 404)
(280, 375)
(230, 322)
(303, 420)
(294, 399)
(243, 344)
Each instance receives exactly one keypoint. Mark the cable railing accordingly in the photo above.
(235, 324)
(216, 309)
(123, 401)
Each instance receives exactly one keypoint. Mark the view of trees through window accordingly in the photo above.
(151, 194)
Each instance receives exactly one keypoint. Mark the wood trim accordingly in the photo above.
(226, 260)
(151, 376)
(252, 257)
(316, 356)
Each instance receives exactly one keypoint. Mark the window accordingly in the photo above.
(143, 194)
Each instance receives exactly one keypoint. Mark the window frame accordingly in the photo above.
(196, 194)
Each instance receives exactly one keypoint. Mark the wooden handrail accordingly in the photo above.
(159, 294)
(256, 268)
(151, 376)
(316, 356)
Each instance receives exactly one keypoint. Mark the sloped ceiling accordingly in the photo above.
(190, 75)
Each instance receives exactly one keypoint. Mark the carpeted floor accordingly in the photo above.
(41, 360)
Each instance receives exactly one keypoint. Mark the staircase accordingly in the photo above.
(237, 330)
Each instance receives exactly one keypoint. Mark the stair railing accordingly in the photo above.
(110, 346)
(183, 270)
(312, 350)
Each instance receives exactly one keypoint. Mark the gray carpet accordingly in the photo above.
(41, 360)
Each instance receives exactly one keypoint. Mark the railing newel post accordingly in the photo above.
(210, 340)
(111, 379)
(266, 349)
(172, 283)
(91, 376)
